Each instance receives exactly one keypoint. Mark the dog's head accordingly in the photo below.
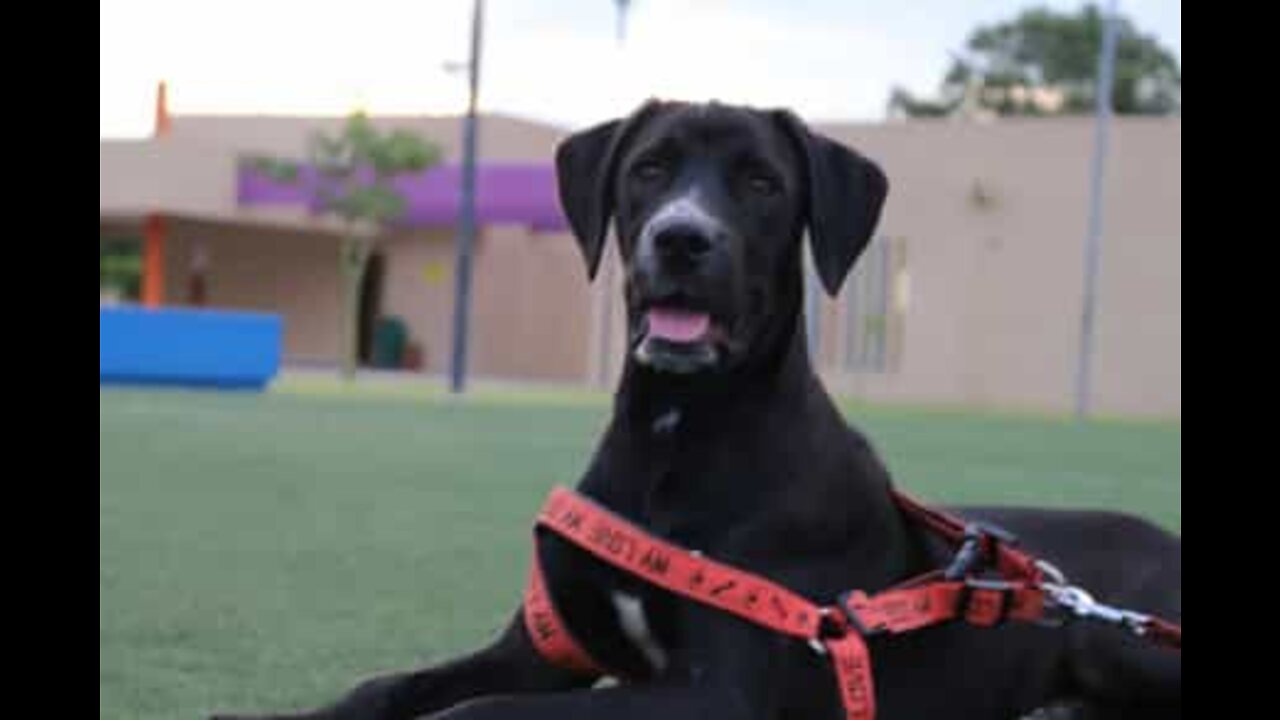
(710, 203)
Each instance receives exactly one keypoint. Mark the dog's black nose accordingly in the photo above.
(682, 241)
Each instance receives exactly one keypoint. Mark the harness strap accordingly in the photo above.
(621, 544)
(548, 630)
(1007, 559)
(981, 603)
(1164, 632)
(1021, 593)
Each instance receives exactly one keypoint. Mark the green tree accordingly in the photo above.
(1046, 63)
(354, 173)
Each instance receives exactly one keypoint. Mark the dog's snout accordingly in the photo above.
(684, 241)
(684, 238)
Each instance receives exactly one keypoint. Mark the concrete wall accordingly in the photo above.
(530, 304)
(291, 272)
(993, 217)
(501, 137)
(418, 287)
(529, 312)
(135, 177)
(532, 309)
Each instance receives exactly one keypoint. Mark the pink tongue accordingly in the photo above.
(678, 325)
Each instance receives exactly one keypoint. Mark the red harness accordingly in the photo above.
(1027, 590)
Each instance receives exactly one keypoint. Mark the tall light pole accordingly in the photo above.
(467, 212)
(1093, 239)
(621, 28)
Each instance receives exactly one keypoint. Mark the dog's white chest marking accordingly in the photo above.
(635, 626)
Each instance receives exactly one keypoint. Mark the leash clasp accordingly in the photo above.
(1075, 603)
(1072, 602)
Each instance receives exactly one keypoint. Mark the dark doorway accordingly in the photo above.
(119, 269)
(370, 305)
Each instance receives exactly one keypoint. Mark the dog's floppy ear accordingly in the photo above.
(845, 194)
(586, 163)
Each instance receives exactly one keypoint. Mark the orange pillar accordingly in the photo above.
(153, 230)
(153, 262)
(163, 122)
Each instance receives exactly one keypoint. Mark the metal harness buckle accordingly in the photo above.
(978, 549)
(831, 624)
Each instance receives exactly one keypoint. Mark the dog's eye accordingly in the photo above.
(649, 171)
(762, 184)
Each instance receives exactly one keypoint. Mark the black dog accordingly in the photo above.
(723, 440)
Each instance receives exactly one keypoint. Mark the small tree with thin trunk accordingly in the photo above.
(352, 179)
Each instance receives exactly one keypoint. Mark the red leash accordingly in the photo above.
(1021, 593)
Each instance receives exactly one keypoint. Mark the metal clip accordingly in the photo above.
(830, 625)
(1051, 571)
(1077, 603)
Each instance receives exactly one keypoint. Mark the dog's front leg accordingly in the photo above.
(627, 702)
(510, 665)
(730, 671)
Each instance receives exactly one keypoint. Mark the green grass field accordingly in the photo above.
(262, 552)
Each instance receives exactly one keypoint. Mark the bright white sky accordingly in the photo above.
(555, 60)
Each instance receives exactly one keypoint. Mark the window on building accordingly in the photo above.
(873, 308)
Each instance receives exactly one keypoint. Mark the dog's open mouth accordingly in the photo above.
(677, 340)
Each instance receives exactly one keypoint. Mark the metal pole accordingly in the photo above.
(467, 214)
(1093, 240)
(620, 29)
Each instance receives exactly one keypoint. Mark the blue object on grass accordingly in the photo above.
(188, 347)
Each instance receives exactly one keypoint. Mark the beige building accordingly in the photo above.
(991, 219)
(971, 295)
(530, 303)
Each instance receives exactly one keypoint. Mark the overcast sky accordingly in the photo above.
(554, 60)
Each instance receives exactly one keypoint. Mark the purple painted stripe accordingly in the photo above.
(505, 193)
